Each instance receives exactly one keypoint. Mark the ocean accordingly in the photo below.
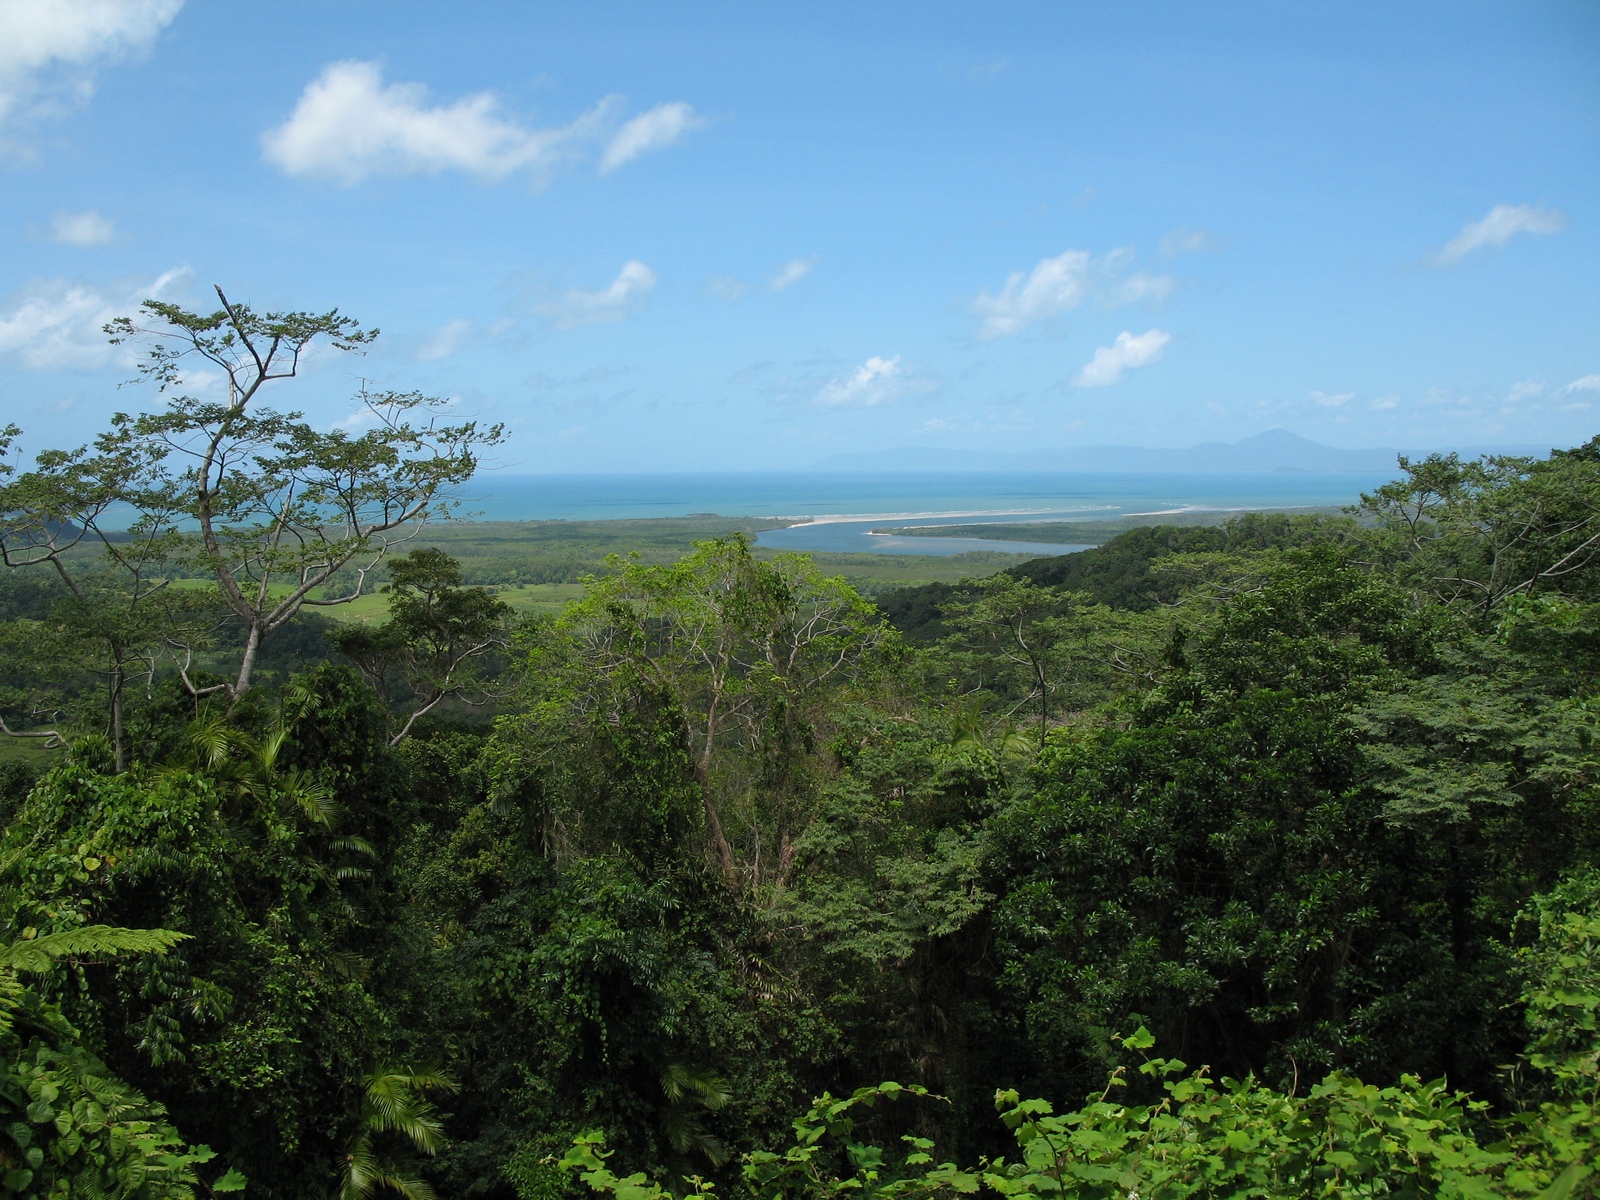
(844, 507)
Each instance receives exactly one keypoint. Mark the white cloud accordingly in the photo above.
(1060, 284)
(80, 229)
(1188, 241)
(1337, 400)
(874, 382)
(791, 273)
(1589, 383)
(450, 338)
(612, 303)
(1503, 222)
(48, 48)
(1384, 403)
(349, 125)
(1054, 286)
(52, 324)
(1127, 353)
(655, 129)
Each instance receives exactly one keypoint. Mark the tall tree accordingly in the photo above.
(437, 633)
(1474, 533)
(283, 511)
(743, 652)
(103, 523)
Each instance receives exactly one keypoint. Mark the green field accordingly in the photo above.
(537, 566)
(27, 750)
(525, 598)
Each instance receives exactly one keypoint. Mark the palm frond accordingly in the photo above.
(268, 748)
(395, 1103)
(411, 1186)
(214, 739)
(680, 1084)
(299, 702)
(348, 966)
(361, 1171)
(312, 797)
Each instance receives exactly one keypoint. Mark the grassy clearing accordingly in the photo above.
(527, 598)
(28, 750)
(538, 566)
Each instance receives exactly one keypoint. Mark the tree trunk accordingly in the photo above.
(702, 774)
(719, 840)
(247, 664)
(118, 753)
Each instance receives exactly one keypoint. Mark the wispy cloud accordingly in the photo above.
(81, 229)
(612, 303)
(874, 382)
(349, 126)
(1589, 383)
(449, 339)
(1502, 223)
(1060, 284)
(1139, 287)
(791, 273)
(728, 287)
(1334, 400)
(1524, 390)
(50, 48)
(655, 129)
(53, 324)
(1188, 241)
(1127, 353)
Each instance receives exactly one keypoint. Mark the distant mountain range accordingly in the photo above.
(1275, 450)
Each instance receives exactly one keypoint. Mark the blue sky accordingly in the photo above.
(739, 235)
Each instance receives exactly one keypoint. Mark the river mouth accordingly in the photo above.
(855, 535)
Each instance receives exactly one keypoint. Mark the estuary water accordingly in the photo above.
(845, 507)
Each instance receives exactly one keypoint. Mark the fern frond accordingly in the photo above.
(41, 953)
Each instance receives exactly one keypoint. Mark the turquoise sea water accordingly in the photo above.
(831, 499)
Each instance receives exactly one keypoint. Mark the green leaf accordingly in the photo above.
(231, 1181)
(1564, 1183)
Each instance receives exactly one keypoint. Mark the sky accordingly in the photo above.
(709, 236)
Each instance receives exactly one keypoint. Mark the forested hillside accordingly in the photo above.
(1305, 804)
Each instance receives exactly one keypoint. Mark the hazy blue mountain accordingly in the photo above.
(1274, 450)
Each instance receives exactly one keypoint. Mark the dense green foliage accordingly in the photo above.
(463, 902)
